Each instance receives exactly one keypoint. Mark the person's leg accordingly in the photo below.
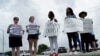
(75, 43)
(87, 47)
(30, 41)
(13, 51)
(17, 51)
(82, 42)
(56, 45)
(35, 46)
(79, 44)
(93, 41)
(94, 45)
(88, 41)
(79, 41)
(70, 42)
(75, 36)
(51, 45)
(12, 45)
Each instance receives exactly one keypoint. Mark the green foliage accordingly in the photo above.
(42, 47)
(8, 53)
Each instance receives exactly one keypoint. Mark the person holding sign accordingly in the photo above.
(15, 37)
(33, 32)
(72, 35)
(87, 33)
(51, 31)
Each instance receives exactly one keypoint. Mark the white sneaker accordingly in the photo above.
(70, 53)
(75, 53)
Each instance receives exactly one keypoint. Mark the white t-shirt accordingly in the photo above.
(87, 25)
(32, 28)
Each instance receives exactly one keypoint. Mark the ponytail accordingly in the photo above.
(55, 20)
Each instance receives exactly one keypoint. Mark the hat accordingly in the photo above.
(83, 12)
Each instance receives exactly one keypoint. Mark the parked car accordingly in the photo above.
(62, 50)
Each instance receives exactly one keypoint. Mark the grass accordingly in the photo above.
(88, 55)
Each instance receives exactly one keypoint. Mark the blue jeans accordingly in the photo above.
(78, 40)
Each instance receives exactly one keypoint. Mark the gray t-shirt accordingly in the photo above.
(15, 30)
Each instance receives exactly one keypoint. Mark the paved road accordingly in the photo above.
(79, 54)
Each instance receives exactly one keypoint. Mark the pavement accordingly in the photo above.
(94, 53)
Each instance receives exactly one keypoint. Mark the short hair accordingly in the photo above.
(83, 12)
(15, 18)
(31, 18)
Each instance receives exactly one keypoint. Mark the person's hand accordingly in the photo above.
(27, 31)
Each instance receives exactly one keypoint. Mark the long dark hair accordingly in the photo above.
(55, 20)
(51, 16)
(69, 12)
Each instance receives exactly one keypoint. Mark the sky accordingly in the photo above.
(40, 8)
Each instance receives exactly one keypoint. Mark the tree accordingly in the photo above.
(42, 47)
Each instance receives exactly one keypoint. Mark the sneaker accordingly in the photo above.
(94, 49)
(75, 53)
(70, 53)
(56, 54)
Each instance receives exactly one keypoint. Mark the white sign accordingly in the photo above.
(88, 25)
(33, 29)
(73, 25)
(16, 31)
(52, 29)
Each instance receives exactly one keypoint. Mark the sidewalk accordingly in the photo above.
(97, 53)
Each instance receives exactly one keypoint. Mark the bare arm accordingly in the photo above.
(26, 28)
(8, 30)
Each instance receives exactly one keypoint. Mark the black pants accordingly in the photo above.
(72, 36)
(85, 39)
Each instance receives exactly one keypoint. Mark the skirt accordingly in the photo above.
(15, 42)
(86, 37)
(33, 36)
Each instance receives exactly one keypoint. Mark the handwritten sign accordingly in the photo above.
(52, 29)
(16, 31)
(33, 29)
(73, 25)
(88, 25)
